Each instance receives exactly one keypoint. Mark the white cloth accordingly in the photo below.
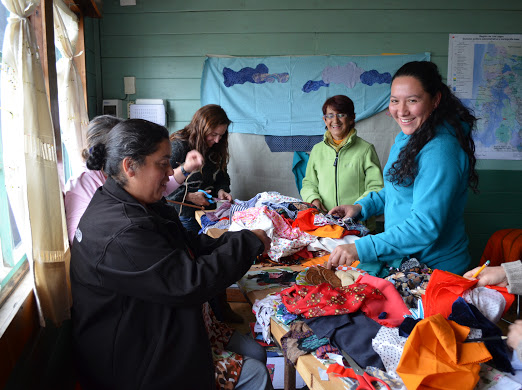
(264, 309)
(389, 345)
(490, 302)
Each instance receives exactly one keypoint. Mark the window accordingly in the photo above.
(14, 262)
(12, 254)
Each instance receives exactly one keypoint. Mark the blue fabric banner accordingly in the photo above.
(284, 96)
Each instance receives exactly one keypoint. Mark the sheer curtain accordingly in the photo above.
(31, 172)
(73, 112)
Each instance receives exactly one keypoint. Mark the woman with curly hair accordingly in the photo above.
(430, 167)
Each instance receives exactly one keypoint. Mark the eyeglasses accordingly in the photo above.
(331, 116)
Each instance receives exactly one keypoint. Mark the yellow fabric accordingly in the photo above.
(334, 144)
(332, 231)
(435, 356)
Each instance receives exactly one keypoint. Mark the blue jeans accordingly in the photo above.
(190, 223)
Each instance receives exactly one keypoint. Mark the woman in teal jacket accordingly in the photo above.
(430, 167)
(343, 167)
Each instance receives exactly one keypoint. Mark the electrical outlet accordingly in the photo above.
(130, 85)
(128, 108)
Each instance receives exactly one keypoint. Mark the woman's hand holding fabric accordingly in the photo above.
(317, 203)
(342, 255)
(489, 276)
(261, 234)
(222, 194)
(346, 211)
(193, 161)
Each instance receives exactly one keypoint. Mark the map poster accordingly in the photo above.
(485, 72)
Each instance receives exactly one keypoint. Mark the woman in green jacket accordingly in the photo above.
(343, 167)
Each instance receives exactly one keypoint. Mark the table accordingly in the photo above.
(307, 365)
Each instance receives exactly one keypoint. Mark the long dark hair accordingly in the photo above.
(450, 110)
(134, 138)
(204, 121)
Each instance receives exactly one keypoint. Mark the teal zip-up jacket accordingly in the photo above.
(339, 178)
(424, 220)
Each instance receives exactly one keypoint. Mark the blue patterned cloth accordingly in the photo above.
(290, 91)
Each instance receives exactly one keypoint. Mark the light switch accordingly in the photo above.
(127, 2)
(130, 85)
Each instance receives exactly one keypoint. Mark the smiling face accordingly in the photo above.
(148, 182)
(215, 135)
(410, 105)
(338, 127)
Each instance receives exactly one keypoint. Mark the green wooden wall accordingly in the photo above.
(163, 44)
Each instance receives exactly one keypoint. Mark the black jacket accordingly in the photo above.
(138, 282)
(211, 178)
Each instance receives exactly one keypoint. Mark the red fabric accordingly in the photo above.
(305, 220)
(304, 254)
(325, 300)
(393, 305)
(339, 370)
(503, 246)
(443, 289)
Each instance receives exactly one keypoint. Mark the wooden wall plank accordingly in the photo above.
(154, 88)
(113, 6)
(319, 20)
(154, 67)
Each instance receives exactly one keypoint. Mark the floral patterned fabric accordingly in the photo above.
(285, 239)
(227, 364)
(325, 300)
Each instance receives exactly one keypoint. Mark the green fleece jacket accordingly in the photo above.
(339, 178)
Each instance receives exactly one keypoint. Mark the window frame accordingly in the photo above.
(15, 258)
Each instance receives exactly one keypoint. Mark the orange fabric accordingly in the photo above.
(316, 261)
(435, 356)
(332, 231)
(442, 290)
(503, 246)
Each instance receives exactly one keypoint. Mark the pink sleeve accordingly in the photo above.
(171, 186)
(78, 195)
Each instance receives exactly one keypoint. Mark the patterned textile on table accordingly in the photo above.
(285, 239)
(263, 310)
(324, 300)
(298, 330)
(411, 281)
(227, 364)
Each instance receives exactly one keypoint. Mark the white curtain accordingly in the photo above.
(73, 112)
(31, 173)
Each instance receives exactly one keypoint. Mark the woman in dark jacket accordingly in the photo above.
(139, 279)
